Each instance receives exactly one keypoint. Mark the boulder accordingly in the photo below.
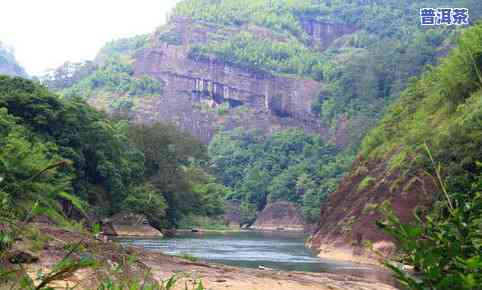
(130, 225)
(280, 216)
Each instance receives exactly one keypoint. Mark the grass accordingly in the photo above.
(365, 183)
(189, 257)
(204, 223)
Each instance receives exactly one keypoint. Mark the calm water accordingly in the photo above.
(284, 251)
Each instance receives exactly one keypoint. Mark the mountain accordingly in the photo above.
(265, 64)
(8, 64)
(246, 76)
(428, 145)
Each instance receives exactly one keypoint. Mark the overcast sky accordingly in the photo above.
(46, 33)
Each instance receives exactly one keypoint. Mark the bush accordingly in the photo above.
(444, 247)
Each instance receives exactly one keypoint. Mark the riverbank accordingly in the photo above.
(217, 277)
(375, 254)
(129, 262)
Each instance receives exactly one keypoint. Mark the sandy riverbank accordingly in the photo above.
(161, 266)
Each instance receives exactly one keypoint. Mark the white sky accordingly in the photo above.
(46, 33)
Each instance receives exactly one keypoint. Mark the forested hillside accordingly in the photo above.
(8, 64)
(364, 70)
(423, 159)
(287, 166)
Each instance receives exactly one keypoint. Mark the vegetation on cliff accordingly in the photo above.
(109, 79)
(441, 111)
(365, 71)
(264, 55)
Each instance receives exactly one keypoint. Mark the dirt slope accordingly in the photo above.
(348, 219)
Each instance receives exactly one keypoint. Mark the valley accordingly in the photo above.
(305, 144)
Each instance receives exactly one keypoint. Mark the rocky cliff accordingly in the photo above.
(205, 95)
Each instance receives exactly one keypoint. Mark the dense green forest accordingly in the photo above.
(44, 156)
(289, 165)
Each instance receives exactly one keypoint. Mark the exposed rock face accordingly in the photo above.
(205, 95)
(130, 225)
(349, 219)
(323, 34)
(232, 214)
(279, 215)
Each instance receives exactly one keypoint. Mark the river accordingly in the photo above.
(277, 250)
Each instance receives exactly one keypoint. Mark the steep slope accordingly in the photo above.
(198, 88)
(437, 122)
(8, 64)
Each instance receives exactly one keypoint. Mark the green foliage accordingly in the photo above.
(174, 165)
(110, 75)
(277, 16)
(63, 150)
(247, 212)
(107, 162)
(289, 165)
(114, 76)
(123, 46)
(211, 223)
(365, 183)
(146, 200)
(285, 15)
(29, 169)
(364, 71)
(436, 111)
(250, 52)
(445, 246)
(442, 111)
